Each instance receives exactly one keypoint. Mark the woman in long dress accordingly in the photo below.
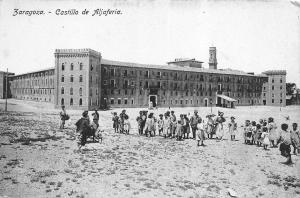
(210, 126)
(232, 128)
(200, 132)
(166, 125)
(219, 121)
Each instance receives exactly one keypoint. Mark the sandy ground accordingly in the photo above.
(39, 160)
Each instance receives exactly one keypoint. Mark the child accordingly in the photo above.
(265, 138)
(160, 124)
(247, 132)
(285, 146)
(253, 130)
(126, 125)
(115, 120)
(272, 131)
(200, 132)
(187, 127)
(166, 125)
(295, 138)
(179, 130)
(210, 126)
(232, 128)
(258, 135)
(139, 121)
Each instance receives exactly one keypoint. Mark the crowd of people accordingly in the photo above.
(167, 125)
(263, 133)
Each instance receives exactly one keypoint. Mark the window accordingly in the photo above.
(125, 101)
(92, 67)
(112, 72)
(280, 101)
(80, 66)
(112, 91)
(80, 102)
(280, 87)
(272, 87)
(112, 83)
(125, 91)
(186, 101)
(125, 73)
(71, 101)
(71, 78)
(80, 78)
(71, 91)
(72, 67)
(132, 101)
(112, 101)
(280, 80)
(63, 67)
(105, 82)
(119, 101)
(272, 80)
(62, 90)
(272, 100)
(62, 102)
(80, 91)
(62, 78)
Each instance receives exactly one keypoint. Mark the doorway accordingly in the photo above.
(206, 102)
(153, 100)
(264, 102)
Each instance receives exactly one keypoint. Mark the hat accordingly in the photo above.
(160, 115)
(123, 110)
(220, 113)
(85, 113)
(115, 113)
(232, 117)
(195, 111)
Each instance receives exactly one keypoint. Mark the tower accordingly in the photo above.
(213, 58)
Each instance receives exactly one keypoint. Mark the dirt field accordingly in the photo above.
(39, 160)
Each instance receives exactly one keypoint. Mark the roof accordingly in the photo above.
(177, 68)
(41, 70)
(275, 72)
(227, 98)
(182, 60)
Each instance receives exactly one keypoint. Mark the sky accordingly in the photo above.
(252, 36)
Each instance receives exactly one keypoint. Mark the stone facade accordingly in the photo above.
(82, 79)
(38, 86)
(3, 76)
(274, 91)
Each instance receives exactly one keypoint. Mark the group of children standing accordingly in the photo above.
(265, 133)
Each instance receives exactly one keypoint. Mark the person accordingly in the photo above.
(94, 127)
(200, 132)
(258, 135)
(166, 125)
(272, 131)
(286, 142)
(219, 121)
(295, 134)
(173, 124)
(265, 138)
(232, 128)
(126, 125)
(122, 118)
(178, 134)
(143, 121)
(160, 124)
(194, 122)
(83, 128)
(247, 131)
(139, 122)
(150, 126)
(254, 132)
(187, 129)
(96, 117)
(63, 117)
(210, 126)
(115, 120)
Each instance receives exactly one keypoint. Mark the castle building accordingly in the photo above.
(3, 76)
(82, 79)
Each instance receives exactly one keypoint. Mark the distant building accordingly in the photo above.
(274, 91)
(3, 76)
(82, 79)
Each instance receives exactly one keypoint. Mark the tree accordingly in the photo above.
(290, 87)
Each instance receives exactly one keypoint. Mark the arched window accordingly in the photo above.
(71, 78)
(80, 91)
(63, 67)
(71, 101)
(62, 78)
(62, 101)
(80, 66)
(72, 66)
(62, 90)
(80, 78)
(80, 102)
(71, 91)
